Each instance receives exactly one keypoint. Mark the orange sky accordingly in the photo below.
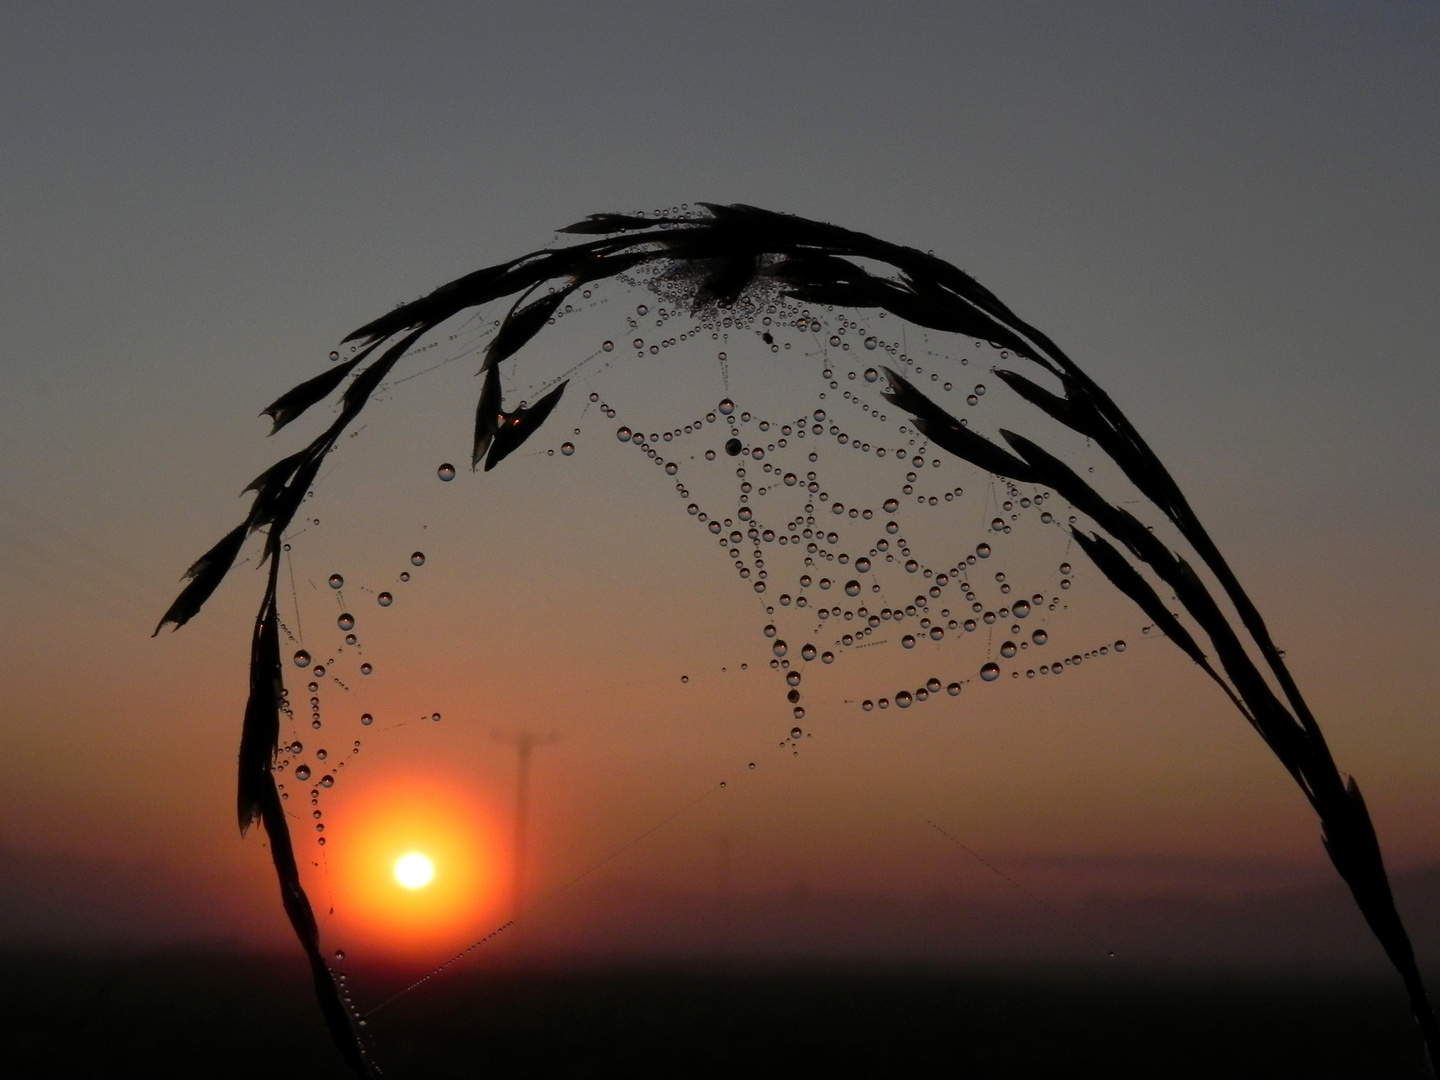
(1223, 223)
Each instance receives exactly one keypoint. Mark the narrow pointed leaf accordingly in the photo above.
(205, 576)
(523, 324)
(1128, 580)
(487, 415)
(294, 402)
(260, 731)
(1075, 415)
(518, 426)
(612, 223)
(949, 434)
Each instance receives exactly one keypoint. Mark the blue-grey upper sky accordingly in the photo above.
(1226, 212)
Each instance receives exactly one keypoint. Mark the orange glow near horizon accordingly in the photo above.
(413, 869)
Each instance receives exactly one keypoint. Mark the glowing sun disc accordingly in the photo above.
(414, 871)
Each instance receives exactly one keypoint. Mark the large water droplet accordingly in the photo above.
(953, 689)
(417, 559)
(871, 343)
(990, 672)
(623, 434)
(366, 719)
(608, 346)
(1039, 637)
(346, 621)
(727, 407)
(903, 699)
(890, 505)
(932, 685)
(908, 641)
(733, 447)
(336, 581)
(302, 659)
(1008, 649)
(567, 448)
(327, 780)
(302, 773)
(1020, 609)
(852, 588)
(862, 565)
(983, 550)
(1119, 646)
(779, 648)
(807, 652)
(795, 733)
(871, 375)
(384, 599)
(446, 472)
(791, 479)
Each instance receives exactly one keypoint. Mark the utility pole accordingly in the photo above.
(524, 742)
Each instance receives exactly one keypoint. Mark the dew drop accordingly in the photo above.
(336, 581)
(953, 689)
(871, 375)
(852, 588)
(567, 448)
(791, 479)
(446, 472)
(302, 773)
(983, 550)
(366, 719)
(327, 780)
(870, 343)
(908, 641)
(990, 672)
(827, 657)
(733, 447)
(302, 659)
(1039, 637)
(932, 685)
(795, 733)
(807, 652)
(1119, 646)
(1020, 609)
(609, 346)
(727, 407)
(623, 434)
(340, 954)
(365, 669)
(1008, 649)
(890, 505)
(903, 699)
(779, 648)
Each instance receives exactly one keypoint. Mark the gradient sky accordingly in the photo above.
(1226, 213)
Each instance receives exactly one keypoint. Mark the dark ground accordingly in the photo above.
(194, 1013)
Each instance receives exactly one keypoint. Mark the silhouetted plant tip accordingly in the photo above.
(725, 251)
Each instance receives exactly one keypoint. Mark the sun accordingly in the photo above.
(414, 871)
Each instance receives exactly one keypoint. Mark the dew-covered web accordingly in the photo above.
(724, 524)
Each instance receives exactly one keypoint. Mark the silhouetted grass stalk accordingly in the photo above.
(727, 250)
